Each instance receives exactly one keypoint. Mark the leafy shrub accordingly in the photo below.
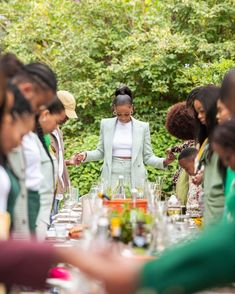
(161, 49)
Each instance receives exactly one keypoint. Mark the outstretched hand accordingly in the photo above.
(198, 178)
(170, 157)
(112, 269)
(76, 159)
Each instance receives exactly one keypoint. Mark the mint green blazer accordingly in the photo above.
(142, 153)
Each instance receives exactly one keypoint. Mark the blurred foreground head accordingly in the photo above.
(227, 92)
(223, 142)
(36, 81)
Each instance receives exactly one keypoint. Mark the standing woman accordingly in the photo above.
(204, 104)
(14, 127)
(47, 122)
(124, 145)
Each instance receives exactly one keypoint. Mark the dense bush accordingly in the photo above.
(161, 49)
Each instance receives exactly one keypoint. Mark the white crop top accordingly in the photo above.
(122, 139)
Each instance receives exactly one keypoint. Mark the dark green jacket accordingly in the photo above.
(207, 262)
(213, 186)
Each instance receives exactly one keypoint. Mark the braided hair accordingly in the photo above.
(40, 134)
(35, 72)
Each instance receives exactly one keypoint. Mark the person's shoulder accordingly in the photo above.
(107, 121)
(141, 123)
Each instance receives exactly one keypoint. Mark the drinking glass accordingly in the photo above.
(151, 196)
(161, 208)
(70, 202)
(158, 187)
(60, 230)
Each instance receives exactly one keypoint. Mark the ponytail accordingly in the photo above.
(123, 96)
(40, 134)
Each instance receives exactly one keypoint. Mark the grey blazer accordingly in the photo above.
(142, 153)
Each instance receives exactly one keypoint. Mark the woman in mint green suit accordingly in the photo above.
(124, 145)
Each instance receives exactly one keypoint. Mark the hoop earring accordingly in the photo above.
(114, 112)
(131, 112)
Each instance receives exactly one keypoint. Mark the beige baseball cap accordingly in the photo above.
(69, 103)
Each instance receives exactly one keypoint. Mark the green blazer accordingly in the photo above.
(205, 263)
(214, 200)
(142, 153)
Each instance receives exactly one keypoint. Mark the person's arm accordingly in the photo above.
(148, 155)
(98, 153)
(206, 262)
(25, 263)
(93, 155)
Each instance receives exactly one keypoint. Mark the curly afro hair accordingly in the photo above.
(180, 121)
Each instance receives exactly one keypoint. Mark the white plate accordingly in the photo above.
(66, 220)
(51, 233)
(77, 209)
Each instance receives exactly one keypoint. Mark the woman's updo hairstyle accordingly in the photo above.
(123, 96)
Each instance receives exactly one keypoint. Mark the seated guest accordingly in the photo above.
(194, 200)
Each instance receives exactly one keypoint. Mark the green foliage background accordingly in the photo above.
(161, 49)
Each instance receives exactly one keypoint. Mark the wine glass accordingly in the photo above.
(70, 202)
(158, 187)
(151, 196)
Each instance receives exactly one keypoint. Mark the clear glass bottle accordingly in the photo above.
(119, 192)
(103, 228)
(134, 197)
